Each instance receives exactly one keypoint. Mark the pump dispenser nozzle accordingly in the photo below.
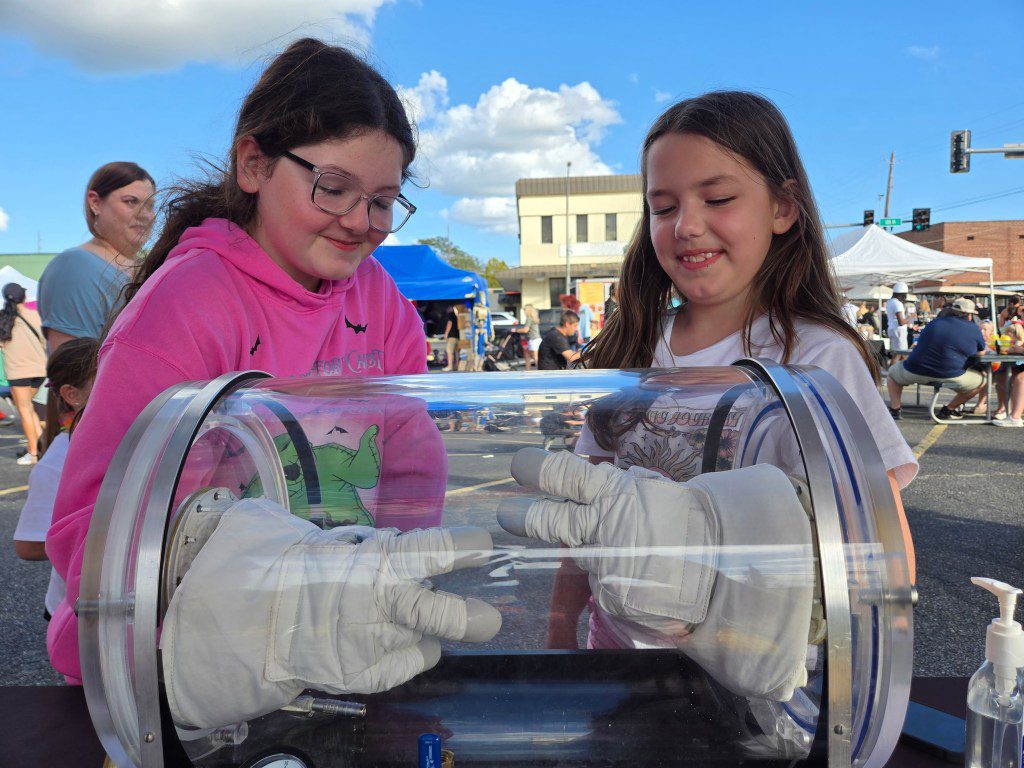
(1004, 638)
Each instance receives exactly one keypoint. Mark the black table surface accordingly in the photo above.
(50, 725)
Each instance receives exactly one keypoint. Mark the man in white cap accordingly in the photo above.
(896, 313)
(942, 353)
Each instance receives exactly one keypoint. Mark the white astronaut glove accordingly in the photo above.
(721, 566)
(273, 605)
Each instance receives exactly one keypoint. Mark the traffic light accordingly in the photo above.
(959, 158)
(922, 219)
(869, 218)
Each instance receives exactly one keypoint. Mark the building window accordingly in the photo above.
(611, 227)
(556, 286)
(970, 237)
(545, 230)
(581, 229)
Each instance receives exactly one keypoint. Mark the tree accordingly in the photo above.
(459, 259)
(451, 253)
(490, 273)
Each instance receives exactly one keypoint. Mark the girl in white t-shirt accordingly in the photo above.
(729, 224)
(71, 371)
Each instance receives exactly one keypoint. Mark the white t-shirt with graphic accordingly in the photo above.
(816, 345)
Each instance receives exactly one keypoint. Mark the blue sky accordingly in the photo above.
(507, 90)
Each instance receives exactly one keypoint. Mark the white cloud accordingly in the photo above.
(662, 96)
(139, 35)
(4, 220)
(391, 239)
(927, 53)
(494, 214)
(634, 78)
(429, 95)
(513, 131)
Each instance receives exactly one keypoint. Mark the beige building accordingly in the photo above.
(603, 212)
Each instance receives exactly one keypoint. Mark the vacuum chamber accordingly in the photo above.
(321, 570)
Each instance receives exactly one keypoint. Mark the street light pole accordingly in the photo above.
(568, 277)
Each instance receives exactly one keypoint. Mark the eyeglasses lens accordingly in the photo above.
(337, 195)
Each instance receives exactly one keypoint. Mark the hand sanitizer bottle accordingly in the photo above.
(995, 705)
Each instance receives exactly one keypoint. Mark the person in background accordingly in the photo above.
(586, 319)
(451, 338)
(895, 312)
(71, 371)
(611, 303)
(556, 351)
(79, 288)
(869, 319)
(924, 308)
(942, 354)
(532, 320)
(1011, 311)
(24, 350)
(1004, 415)
(850, 312)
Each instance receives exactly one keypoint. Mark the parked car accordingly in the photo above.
(503, 323)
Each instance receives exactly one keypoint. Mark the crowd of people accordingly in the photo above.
(266, 265)
(945, 349)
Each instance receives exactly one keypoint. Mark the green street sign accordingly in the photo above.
(889, 222)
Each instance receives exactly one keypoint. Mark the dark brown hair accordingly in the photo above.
(795, 281)
(74, 363)
(106, 179)
(310, 93)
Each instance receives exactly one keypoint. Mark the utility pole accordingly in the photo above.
(568, 276)
(888, 188)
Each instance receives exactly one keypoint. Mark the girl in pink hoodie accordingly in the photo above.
(267, 266)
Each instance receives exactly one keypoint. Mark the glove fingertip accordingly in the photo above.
(512, 513)
(483, 621)
(526, 465)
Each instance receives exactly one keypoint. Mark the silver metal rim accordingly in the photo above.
(118, 479)
(892, 699)
(125, 486)
(834, 585)
(150, 552)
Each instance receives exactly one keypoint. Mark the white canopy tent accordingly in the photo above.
(870, 256)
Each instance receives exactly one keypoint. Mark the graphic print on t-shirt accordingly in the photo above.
(341, 472)
(671, 441)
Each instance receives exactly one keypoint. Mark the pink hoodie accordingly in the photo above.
(218, 304)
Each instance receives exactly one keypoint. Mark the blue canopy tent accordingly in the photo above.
(422, 275)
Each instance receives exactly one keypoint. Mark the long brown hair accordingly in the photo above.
(310, 93)
(74, 363)
(795, 281)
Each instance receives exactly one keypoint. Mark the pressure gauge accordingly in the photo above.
(280, 760)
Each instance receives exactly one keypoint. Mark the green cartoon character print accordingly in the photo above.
(342, 473)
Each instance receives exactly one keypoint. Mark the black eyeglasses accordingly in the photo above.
(336, 194)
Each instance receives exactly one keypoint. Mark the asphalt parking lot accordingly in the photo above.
(965, 511)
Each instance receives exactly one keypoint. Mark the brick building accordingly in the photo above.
(1002, 241)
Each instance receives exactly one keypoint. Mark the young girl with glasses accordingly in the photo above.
(263, 265)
